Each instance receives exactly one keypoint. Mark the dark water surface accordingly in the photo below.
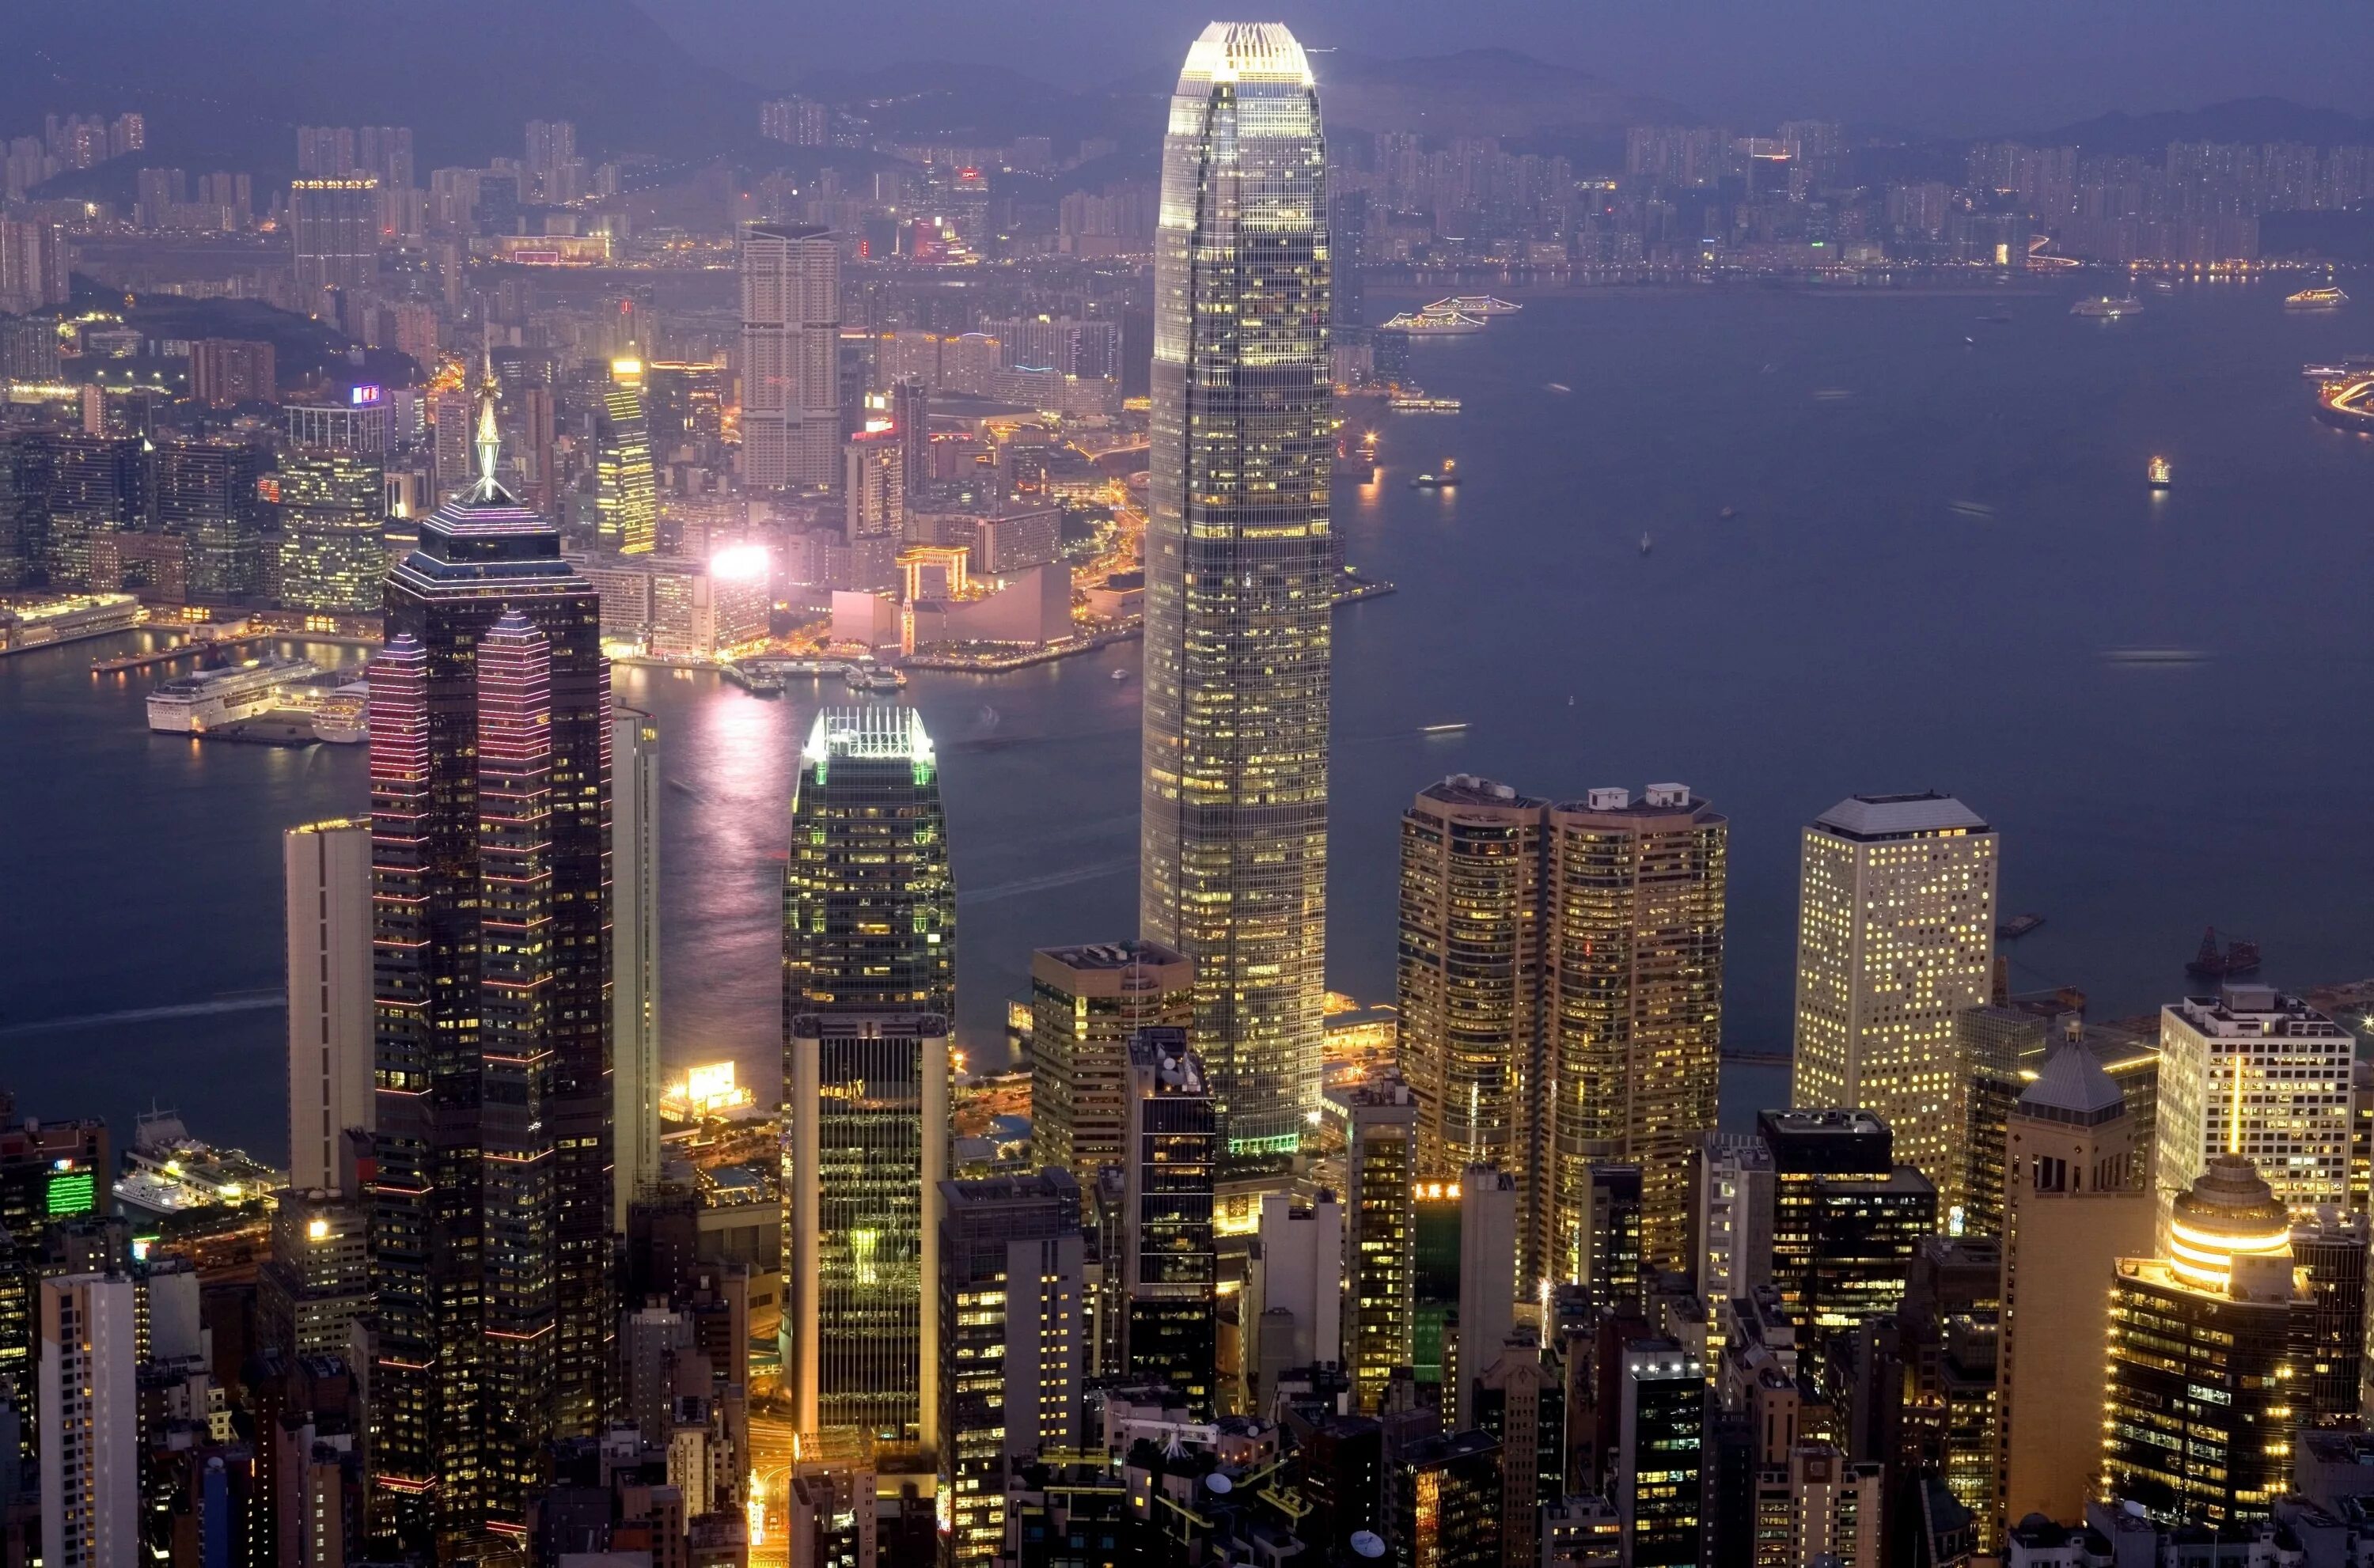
(1944, 570)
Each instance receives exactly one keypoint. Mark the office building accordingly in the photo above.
(1486, 1297)
(1292, 1306)
(2329, 1330)
(365, 424)
(317, 1281)
(1610, 1250)
(2077, 1201)
(869, 906)
(332, 559)
(1446, 1501)
(1633, 967)
(206, 493)
(626, 493)
(1469, 978)
(1896, 927)
(1731, 1208)
(866, 1146)
(874, 516)
(1169, 1266)
(1519, 1400)
(635, 1067)
(2254, 1072)
(1660, 1412)
(1233, 867)
(490, 844)
(910, 426)
(88, 1354)
(1013, 1342)
(1835, 1509)
(2201, 1403)
(225, 370)
(1087, 1005)
(1380, 1165)
(73, 488)
(1846, 1219)
(791, 352)
(334, 233)
(326, 869)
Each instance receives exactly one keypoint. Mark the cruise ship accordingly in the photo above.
(167, 1171)
(1434, 323)
(2324, 298)
(1474, 305)
(194, 704)
(2107, 308)
(337, 701)
(68, 618)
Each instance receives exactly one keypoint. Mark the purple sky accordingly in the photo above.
(1963, 68)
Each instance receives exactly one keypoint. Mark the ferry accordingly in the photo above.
(2160, 474)
(2105, 307)
(1474, 305)
(194, 704)
(2017, 926)
(1431, 323)
(2324, 298)
(44, 622)
(757, 680)
(1446, 480)
(1413, 402)
(864, 678)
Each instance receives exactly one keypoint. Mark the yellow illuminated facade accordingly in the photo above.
(1234, 854)
(2257, 1073)
(1895, 937)
(626, 490)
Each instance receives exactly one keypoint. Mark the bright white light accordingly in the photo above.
(739, 562)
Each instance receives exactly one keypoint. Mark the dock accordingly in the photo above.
(195, 648)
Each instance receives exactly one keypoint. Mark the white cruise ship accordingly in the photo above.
(1476, 305)
(193, 704)
(1434, 322)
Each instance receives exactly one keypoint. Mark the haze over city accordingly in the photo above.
(1050, 789)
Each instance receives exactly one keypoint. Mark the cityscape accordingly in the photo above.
(1303, 810)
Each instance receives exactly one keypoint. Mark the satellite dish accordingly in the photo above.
(1367, 1544)
(1220, 1484)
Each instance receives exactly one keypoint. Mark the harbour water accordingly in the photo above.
(1944, 568)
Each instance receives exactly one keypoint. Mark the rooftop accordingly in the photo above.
(1471, 790)
(1113, 955)
(2073, 1086)
(1900, 816)
(1231, 52)
(2240, 1012)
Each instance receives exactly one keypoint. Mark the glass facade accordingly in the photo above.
(1171, 1269)
(331, 557)
(625, 494)
(1234, 855)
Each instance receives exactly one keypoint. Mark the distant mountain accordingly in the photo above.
(2237, 120)
(989, 105)
(224, 83)
(1479, 92)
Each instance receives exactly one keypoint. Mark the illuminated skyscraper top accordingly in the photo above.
(1234, 856)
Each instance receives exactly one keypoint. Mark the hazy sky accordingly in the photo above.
(1965, 66)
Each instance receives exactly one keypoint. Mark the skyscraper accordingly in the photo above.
(1087, 1005)
(1170, 1268)
(1379, 1235)
(332, 558)
(625, 494)
(1633, 966)
(866, 1146)
(869, 908)
(205, 494)
(334, 233)
(1660, 1416)
(1469, 978)
(1234, 856)
(1895, 934)
(2252, 1071)
(635, 964)
(327, 872)
(490, 839)
(90, 1421)
(791, 357)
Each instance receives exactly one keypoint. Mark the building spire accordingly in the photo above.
(490, 436)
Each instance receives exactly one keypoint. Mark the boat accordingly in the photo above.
(1728, 513)
(1996, 318)
(1431, 323)
(758, 680)
(167, 1171)
(1444, 728)
(2325, 298)
(2231, 960)
(1417, 402)
(2107, 309)
(1120, 675)
(1970, 343)
(864, 678)
(2160, 474)
(193, 704)
(1558, 387)
(2017, 926)
(1476, 305)
(1644, 544)
(1446, 480)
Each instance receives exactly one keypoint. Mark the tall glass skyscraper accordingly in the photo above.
(1233, 871)
(869, 982)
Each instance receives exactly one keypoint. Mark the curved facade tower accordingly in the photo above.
(1233, 868)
